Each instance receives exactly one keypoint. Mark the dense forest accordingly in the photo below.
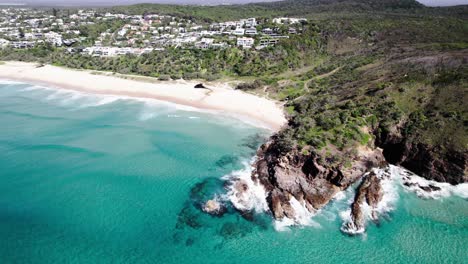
(371, 73)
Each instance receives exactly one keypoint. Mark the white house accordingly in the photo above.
(54, 38)
(251, 22)
(251, 31)
(239, 31)
(4, 43)
(287, 20)
(245, 42)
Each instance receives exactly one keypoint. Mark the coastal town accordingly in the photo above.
(79, 32)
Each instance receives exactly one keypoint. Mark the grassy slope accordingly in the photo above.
(363, 70)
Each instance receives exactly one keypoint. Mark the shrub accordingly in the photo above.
(164, 78)
(250, 86)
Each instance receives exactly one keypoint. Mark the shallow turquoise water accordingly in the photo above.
(87, 179)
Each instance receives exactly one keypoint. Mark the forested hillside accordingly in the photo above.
(361, 73)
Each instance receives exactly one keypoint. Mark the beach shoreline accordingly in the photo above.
(218, 98)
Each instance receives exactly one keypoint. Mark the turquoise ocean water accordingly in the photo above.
(96, 179)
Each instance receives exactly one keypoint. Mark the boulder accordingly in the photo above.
(200, 86)
(213, 207)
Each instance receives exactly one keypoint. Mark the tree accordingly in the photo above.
(21, 33)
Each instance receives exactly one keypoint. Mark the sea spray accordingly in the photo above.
(387, 181)
(394, 178)
(243, 192)
(302, 217)
(428, 189)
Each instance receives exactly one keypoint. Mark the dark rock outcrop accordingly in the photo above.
(370, 192)
(429, 162)
(200, 86)
(308, 178)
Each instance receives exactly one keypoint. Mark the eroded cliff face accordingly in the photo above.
(430, 162)
(313, 180)
(309, 179)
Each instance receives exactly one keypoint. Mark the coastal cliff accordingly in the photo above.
(408, 110)
(313, 178)
(310, 179)
(430, 162)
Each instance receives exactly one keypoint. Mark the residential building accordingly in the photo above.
(245, 42)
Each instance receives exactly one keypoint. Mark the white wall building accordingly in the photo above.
(245, 42)
(239, 31)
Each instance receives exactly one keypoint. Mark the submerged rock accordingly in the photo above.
(188, 217)
(214, 207)
(227, 160)
(232, 230)
(205, 190)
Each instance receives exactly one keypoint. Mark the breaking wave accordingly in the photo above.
(388, 177)
(151, 107)
(246, 194)
(243, 192)
(303, 217)
(428, 189)
(393, 179)
(8, 82)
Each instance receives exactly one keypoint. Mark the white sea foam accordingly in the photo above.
(56, 95)
(302, 217)
(339, 196)
(76, 99)
(460, 190)
(245, 120)
(434, 190)
(30, 88)
(389, 189)
(69, 99)
(151, 110)
(59, 93)
(388, 178)
(347, 226)
(9, 82)
(158, 103)
(146, 116)
(254, 199)
(391, 178)
(100, 101)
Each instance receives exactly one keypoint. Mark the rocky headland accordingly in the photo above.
(313, 179)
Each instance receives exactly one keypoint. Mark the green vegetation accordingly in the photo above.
(359, 71)
(178, 63)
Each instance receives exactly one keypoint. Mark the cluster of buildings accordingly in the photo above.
(99, 51)
(22, 28)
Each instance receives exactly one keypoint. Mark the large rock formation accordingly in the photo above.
(310, 179)
(430, 162)
(370, 193)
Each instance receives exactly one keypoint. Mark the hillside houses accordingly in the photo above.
(99, 51)
(288, 20)
(4, 43)
(138, 34)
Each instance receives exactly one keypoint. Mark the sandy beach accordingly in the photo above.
(219, 98)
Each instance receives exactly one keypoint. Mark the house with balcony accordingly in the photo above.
(245, 42)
